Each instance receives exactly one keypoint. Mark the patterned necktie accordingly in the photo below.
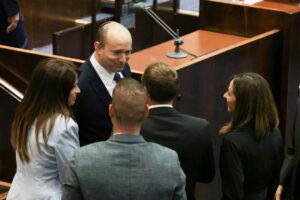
(117, 77)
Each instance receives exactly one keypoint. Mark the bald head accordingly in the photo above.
(113, 46)
(113, 29)
(129, 102)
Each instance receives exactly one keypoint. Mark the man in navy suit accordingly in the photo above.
(189, 136)
(11, 25)
(98, 77)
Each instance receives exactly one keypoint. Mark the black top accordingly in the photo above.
(250, 168)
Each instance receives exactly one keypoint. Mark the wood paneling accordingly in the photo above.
(42, 18)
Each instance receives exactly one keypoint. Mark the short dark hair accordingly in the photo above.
(129, 101)
(254, 105)
(102, 33)
(161, 82)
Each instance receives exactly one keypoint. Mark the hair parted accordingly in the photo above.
(102, 33)
(161, 82)
(255, 105)
(45, 97)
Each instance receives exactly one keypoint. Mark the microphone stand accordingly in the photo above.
(178, 41)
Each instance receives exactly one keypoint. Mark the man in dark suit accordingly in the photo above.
(98, 77)
(290, 171)
(11, 25)
(189, 136)
(125, 166)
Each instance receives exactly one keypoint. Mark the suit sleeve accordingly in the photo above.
(207, 170)
(231, 171)
(288, 164)
(11, 7)
(71, 188)
(180, 193)
(65, 148)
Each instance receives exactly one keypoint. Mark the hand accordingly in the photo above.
(278, 192)
(13, 22)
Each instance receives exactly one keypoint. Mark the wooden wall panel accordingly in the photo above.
(42, 18)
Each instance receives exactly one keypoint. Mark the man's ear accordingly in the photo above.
(146, 112)
(97, 46)
(111, 111)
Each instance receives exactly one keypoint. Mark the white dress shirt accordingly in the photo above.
(160, 106)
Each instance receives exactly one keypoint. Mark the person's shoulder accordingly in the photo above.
(65, 123)
(83, 68)
(88, 150)
(195, 123)
(194, 119)
(235, 137)
(276, 133)
(161, 150)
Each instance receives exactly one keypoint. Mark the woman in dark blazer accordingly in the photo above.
(290, 172)
(251, 152)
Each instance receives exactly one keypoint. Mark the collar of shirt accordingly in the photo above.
(106, 76)
(160, 106)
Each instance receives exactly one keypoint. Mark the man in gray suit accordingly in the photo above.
(125, 166)
(189, 136)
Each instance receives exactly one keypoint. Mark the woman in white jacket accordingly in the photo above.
(44, 134)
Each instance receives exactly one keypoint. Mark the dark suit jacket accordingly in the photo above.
(250, 169)
(189, 136)
(290, 171)
(17, 37)
(91, 107)
(125, 167)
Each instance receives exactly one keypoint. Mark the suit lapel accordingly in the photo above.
(126, 71)
(97, 85)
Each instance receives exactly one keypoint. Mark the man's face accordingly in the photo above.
(115, 53)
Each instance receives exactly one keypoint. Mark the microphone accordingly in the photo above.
(140, 7)
(143, 7)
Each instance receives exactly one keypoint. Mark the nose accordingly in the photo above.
(123, 58)
(78, 89)
(225, 95)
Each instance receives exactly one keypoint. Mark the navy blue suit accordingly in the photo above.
(16, 38)
(91, 108)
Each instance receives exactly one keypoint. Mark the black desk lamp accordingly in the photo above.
(178, 41)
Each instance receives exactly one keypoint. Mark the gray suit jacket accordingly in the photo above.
(124, 167)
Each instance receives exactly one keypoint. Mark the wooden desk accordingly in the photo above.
(266, 5)
(198, 43)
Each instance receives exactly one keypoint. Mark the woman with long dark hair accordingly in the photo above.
(44, 134)
(251, 152)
